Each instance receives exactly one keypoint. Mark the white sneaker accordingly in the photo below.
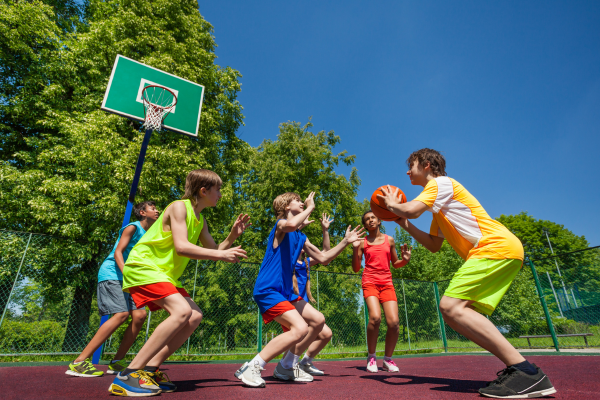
(250, 374)
(390, 366)
(372, 365)
(310, 368)
(293, 374)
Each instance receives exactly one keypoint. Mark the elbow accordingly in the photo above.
(180, 250)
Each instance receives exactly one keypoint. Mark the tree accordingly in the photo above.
(66, 166)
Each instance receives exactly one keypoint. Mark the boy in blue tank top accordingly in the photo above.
(112, 300)
(273, 291)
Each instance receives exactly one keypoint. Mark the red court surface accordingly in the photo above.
(443, 377)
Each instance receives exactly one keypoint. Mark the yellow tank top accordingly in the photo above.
(154, 259)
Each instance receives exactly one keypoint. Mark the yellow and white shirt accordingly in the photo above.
(461, 220)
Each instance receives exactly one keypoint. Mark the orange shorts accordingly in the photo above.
(145, 295)
(277, 310)
(382, 292)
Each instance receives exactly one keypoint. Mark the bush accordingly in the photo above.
(31, 337)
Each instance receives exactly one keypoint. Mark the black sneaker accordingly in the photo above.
(515, 384)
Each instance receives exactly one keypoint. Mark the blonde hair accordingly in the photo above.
(198, 179)
(282, 201)
(295, 281)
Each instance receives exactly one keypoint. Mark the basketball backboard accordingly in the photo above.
(124, 95)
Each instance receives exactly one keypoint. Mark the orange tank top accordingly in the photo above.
(377, 263)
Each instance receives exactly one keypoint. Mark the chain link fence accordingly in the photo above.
(48, 305)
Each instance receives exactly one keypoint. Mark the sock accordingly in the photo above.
(261, 362)
(386, 358)
(289, 360)
(151, 369)
(374, 355)
(127, 371)
(114, 361)
(306, 359)
(526, 367)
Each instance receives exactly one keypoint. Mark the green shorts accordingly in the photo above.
(484, 281)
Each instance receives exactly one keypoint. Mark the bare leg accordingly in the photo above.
(315, 321)
(319, 344)
(474, 326)
(374, 322)
(390, 309)
(298, 330)
(179, 339)
(104, 332)
(131, 332)
(179, 314)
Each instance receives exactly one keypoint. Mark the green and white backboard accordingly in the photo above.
(124, 95)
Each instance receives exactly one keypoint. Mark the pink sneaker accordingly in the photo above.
(390, 366)
(372, 365)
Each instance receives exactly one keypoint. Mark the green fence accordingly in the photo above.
(49, 307)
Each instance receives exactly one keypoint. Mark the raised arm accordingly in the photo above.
(175, 220)
(290, 225)
(430, 242)
(325, 222)
(325, 257)
(122, 245)
(406, 251)
(239, 226)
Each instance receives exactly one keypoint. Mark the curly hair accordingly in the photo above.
(139, 207)
(282, 201)
(435, 159)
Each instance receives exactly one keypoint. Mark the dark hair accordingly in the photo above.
(436, 161)
(362, 219)
(198, 179)
(139, 207)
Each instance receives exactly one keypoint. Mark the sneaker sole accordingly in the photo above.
(291, 378)
(240, 376)
(540, 393)
(120, 391)
(390, 370)
(320, 373)
(373, 372)
(73, 373)
(111, 372)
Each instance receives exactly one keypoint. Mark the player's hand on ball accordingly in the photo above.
(326, 220)
(390, 197)
(355, 234)
(406, 251)
(234, 254)
(310, 201)
(240, 224)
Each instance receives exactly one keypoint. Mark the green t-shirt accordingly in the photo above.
(154, 259)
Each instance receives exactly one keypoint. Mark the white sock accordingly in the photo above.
(386, 358)
(306, 359)
(289, 360)
(374, 355)
(261, 362)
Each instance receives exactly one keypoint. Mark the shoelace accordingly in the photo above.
(391, 362)
(372, 362)
(162, 376)
(147, 376)
(501, 376)
(87, 364)
(255, 369)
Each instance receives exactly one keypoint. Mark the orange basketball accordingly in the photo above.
(378, 206)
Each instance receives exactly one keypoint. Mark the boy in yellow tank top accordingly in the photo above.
(493, 257)
(151, 275)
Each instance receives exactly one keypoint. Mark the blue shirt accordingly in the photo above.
(302, 272)
(274, 282)
(109, 270)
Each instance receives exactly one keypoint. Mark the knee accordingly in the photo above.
(375, 321)
(138, 317)
(449, 309)
(183, 316)
(300, 332)
(318, 322)
(393, 325)
(121, 317)
(326, 334)
(195, 319)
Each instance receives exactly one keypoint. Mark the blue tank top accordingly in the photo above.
(109, 270)
(274, 282)
(302, 272)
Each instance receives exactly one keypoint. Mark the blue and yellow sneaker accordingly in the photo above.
(135, 384)
(164, 383)
(114, 367)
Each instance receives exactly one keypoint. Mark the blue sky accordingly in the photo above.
(508, 91)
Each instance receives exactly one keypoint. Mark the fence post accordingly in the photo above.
(544, 306)
(259, 334)
(193, 296)
(406, 314)
(554, 292)
(15, 282)
(367, 325)
(442, 326)
(318, 290)
(148, 325)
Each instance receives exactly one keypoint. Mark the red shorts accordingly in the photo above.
(382, 292)
(277, 310)
(145, 295)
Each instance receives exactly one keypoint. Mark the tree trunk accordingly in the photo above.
(79, 315)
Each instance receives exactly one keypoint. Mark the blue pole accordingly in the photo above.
(127, 216)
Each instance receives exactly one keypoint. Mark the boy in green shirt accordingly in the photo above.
(151, 275)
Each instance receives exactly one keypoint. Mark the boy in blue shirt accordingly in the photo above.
(112, 300)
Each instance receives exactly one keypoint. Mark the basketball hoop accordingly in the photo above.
(158, 103)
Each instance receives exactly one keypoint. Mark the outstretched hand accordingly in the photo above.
(233, 254)
(354, 234)
(305, 223)
(310, 201)
(390, 197)
(240, 225)
(326, 220)
(406, 250)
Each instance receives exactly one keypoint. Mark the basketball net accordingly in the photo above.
(158, 103)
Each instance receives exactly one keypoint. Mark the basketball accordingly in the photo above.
(378, 206)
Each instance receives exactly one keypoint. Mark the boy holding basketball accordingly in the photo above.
(273, 291)
(151, 275)
(493, 257)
